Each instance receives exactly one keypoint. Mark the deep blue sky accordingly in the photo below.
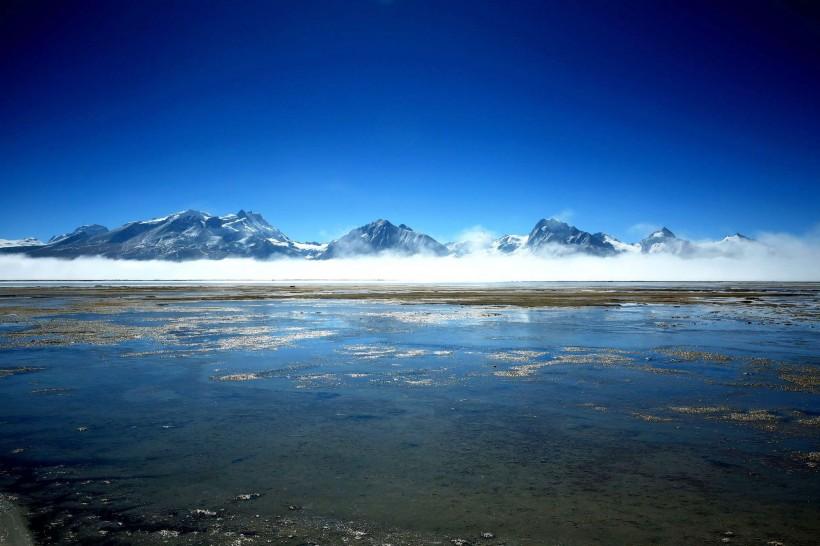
(441, 114)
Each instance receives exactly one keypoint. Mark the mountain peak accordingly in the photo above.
(193, 213)
(192, 234)
(662, 233)
(253, 219)
(383, 236)
(554, 235)
(184, 235)
(552, 223)
(663, 240)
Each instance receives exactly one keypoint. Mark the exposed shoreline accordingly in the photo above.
(563, 296)
(13, 528)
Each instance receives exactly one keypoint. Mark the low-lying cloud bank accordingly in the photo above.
(782, 258)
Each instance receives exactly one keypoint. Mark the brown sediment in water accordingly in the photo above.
(70, 332)
(699, 410)
(687, 355)
(800, 378)
(603, 357)
(810, 459)
(289, 371)
(650, 418)
(759, 418)
(517, 356)
(810, 421)
(8, 372)
(659, 371)
(179, 333)
(237, 377)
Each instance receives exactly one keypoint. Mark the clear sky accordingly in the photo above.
(443, 115)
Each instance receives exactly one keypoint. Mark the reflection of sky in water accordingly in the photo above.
(416, 418)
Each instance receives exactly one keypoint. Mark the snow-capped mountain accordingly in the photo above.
(551, 236)
(507, 244)
(192, 234)
(737, 238)
(82, 233)
(184, 235)
(485, 243)
(310, 249)
(621, 246)
(730, 246)
(382, 236)
(664, 241)
(27, 242)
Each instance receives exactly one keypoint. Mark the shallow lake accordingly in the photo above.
(376, 422)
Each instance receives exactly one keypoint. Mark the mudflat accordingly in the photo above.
(524, 295)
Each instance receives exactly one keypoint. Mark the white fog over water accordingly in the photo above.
(781, 259)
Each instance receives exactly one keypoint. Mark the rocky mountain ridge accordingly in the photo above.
(191, 235)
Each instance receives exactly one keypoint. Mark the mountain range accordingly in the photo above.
(191, 235)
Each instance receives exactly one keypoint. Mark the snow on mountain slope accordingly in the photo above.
(550, 236)
(621, 246)
(382, 236)
(509, 244)
(28, 241)
(184, 235)
(191, 234)
(664, 241)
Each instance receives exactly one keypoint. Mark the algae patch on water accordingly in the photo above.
(690, 355)
(8, 372)
(598, 357)
(286, 372)
(377, 351)
(803, 378)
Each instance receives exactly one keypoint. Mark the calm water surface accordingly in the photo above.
(333, 422)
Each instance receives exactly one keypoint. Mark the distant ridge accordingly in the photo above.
(193, 235)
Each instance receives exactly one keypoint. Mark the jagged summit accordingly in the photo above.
(663, 240)
(551, 234)
(193, 234)
(382, 236)
(507, 244)
(662, 233)
(184, 235)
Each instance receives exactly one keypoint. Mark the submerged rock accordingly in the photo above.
(202, 512)
(247, 496)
